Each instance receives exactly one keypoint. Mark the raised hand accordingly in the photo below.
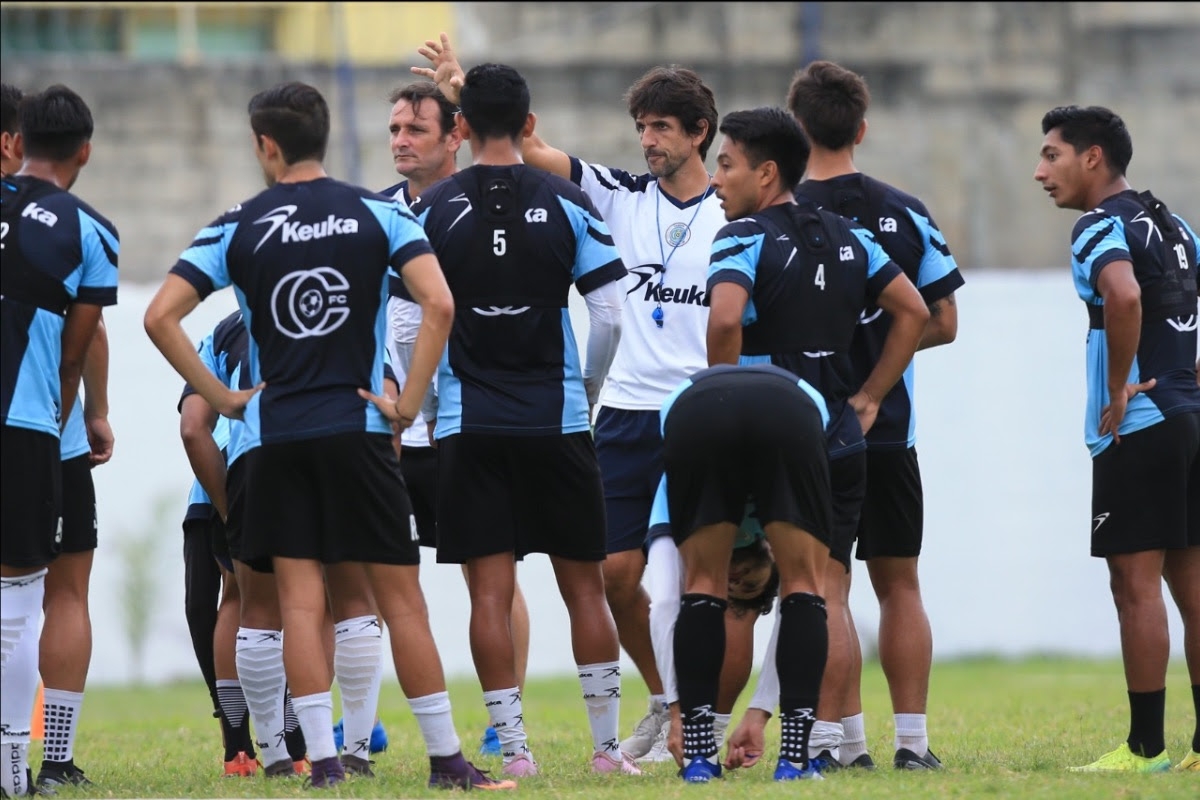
(446, 71)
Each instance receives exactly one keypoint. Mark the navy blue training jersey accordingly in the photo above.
(809, 273)
(310, 264)
(1164, 252)
(226, 353)
(57, 250)
(511, 241)
(906, 231)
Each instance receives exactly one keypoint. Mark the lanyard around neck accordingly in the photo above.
(657, 313)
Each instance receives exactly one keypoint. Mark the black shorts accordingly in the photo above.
(30, 497)
(629, 450)
(419, 466)
(893, 512)
(733, 437)
(848, 483)
(519, 495)
(204, 540)
(331, 499)
(78, 506)
(234, 527)
(1146, 490)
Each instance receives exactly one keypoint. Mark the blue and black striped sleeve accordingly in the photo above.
(203, 263)
(596, 259)
(735, 253)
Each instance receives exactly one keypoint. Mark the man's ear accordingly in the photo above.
(85, 153)
(530, 124)
(862, 132)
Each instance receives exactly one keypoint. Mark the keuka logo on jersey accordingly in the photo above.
(647, 276)
(35, 212)
(279, 218)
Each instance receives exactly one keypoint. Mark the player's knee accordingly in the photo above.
(622, 580)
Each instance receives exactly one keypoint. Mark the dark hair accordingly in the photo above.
(416, 93)
(1093, 126)
(55, 123)
(678, 92)
(830, 102)
(11, 97)
(296, 116)
(495, 101)
(765, 601)
(770, 134)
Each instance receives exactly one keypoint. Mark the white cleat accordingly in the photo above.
(647, 730)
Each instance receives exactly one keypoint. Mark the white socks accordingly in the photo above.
(60, 710)
(720, 725)
(260, 669)
(602, 693)
(20, 615)
(854, 739)
(825, 736)
(911, 734)
(504, 711)
(437, 726)
(315, 712)
(358, 665)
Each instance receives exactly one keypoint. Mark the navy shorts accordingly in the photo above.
(31, 477)
(419, 465)
(79, 506)
(893, 512)
(629, 448)
(1146, 490)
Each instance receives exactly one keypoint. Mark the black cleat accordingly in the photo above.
(59, 773)
(907, 759)
(353, 765)
(862, 762)
(824, 762)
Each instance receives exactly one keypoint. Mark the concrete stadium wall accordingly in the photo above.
(958, 94)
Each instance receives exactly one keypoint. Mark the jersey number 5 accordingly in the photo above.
(499, 244)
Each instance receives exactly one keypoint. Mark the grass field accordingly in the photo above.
(1003, 729)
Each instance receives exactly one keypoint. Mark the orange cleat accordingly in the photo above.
(242, 766)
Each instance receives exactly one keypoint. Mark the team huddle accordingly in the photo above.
(403, 372)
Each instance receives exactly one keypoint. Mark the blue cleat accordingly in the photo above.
(490, 743)
(787, 771)
(700, 770)
(379, 737)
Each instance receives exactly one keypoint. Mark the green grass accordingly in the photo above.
(1004, 729)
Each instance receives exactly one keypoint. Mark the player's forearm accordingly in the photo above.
(943, 324)
(1122, 327)
(898, 349)
(208, 465)
(536, 153)
(173, 342)
(95, 375)
(78, 330)
(766, 692)
(604, 334)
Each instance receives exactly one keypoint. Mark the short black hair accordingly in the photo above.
(675, 91)
(830, 101)
(55, 123)
(765, 601)
(495, 101)
(770, 134)
(296, 116)
(11, 97)
(415, 93)
(1093, 126)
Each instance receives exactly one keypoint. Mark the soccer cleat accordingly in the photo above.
(700, 770)
(523, 766)
(325, 772)
(825, 762)
(1190, 762)
(489, 743)
(862, 762)
(646, 731)
(59, 773)
(241, 766)
(283, 768)
(787, 771)
(455, 772)
(353, 765)
(907, 759)
(302, 766)
(379, 737)
(658, 752)
(1125, 760)
(605, 764)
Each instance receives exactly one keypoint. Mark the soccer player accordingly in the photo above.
(662, 223)
(787, 282)
(60, 268)
(512, 418)
(311, 258)
(1134, 265)
(830, 103)
(424, 143)
(732, 433)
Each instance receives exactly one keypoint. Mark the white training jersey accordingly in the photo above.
(404, 318)
(666, 248)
